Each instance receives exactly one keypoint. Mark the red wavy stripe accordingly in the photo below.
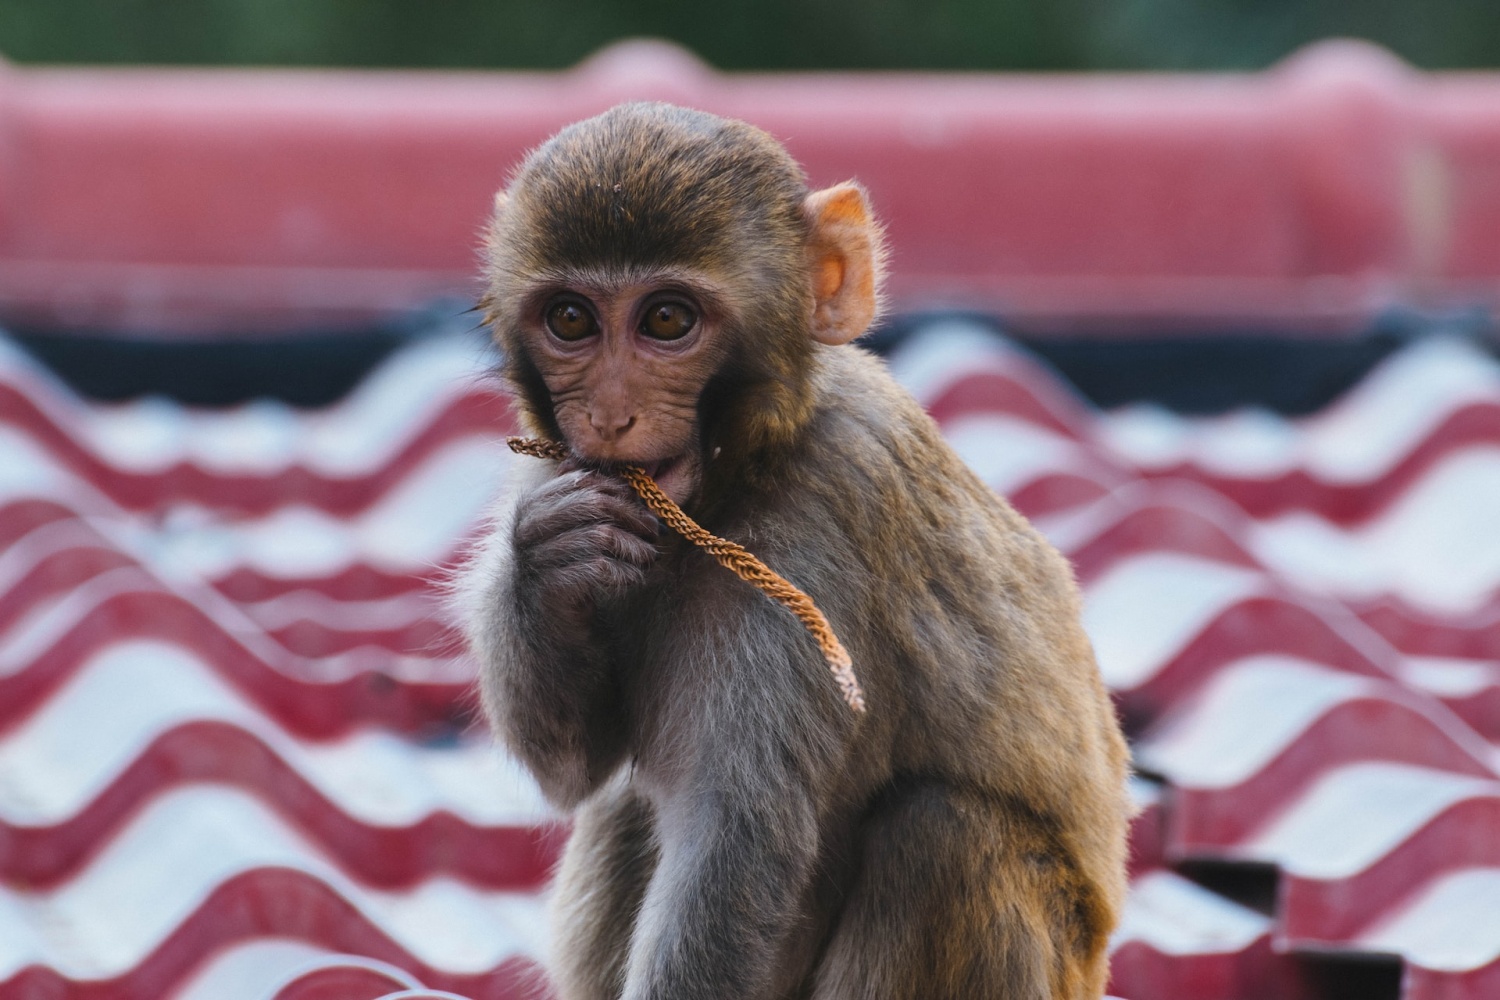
(508, 857)
(368, 695)
(483, 412)
(266, 902)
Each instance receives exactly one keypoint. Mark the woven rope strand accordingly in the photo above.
(733, 557)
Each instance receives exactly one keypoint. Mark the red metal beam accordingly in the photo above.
(1311, 196)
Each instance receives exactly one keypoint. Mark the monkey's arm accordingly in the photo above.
(550, 686)
(759, 731)
(725, 896)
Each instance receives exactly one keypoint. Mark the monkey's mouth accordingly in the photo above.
(676, 475)
(662, 465)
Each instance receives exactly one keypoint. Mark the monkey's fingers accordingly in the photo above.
(589, 542)
(578, 499)
(579, 586)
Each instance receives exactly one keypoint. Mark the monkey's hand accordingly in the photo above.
(580, 540)
(549, 685)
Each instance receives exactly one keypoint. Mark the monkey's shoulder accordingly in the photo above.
(874, 450)
(876, 494)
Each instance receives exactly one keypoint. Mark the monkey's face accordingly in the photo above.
(658, 279)
(625, 364)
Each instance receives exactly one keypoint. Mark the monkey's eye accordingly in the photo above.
(571, 321)
(668, 321)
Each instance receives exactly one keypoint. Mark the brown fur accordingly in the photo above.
(738, 831)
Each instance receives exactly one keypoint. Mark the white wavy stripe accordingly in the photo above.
(1356, 440)
(1007, 452)
(48, 622)
(410, 531)
(1394, 408)
(1451, 925)
(1176, 917)
(939, 352)
(413, 528)
(1145, 793)
(1144, 609)
(30, 472)
(253, 970)
(188, 543)
(354, 437)
(1253, 709)
(1450, 677)
(257, 969)
(133, 691)
(1353, 816)
(1435, 547)
(1248, 712)
(296, 606)
(152, 877)
(49, 617)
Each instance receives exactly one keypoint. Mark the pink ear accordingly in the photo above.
(845, 255)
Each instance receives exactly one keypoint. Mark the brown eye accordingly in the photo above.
(668, 321)
(570, 321)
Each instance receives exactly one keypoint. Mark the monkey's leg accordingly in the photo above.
(604, 873)
(962, 897)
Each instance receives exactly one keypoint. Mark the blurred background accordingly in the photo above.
(1207, 288)
(745, 35)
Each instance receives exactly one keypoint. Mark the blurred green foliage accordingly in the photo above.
(744, 34)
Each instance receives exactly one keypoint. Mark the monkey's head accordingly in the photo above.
(658, 279)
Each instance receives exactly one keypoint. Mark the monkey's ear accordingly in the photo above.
(845, 258)
(501, 197)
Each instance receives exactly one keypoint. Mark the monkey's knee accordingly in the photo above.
(961, 896)
(603, 875)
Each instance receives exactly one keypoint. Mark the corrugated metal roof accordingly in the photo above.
(237, 748)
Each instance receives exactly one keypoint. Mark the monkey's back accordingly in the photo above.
(963, 621)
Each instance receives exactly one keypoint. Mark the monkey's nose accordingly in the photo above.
(610, 425)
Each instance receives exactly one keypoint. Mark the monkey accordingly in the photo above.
(667, 291)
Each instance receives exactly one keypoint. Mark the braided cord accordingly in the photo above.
(733, 557)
